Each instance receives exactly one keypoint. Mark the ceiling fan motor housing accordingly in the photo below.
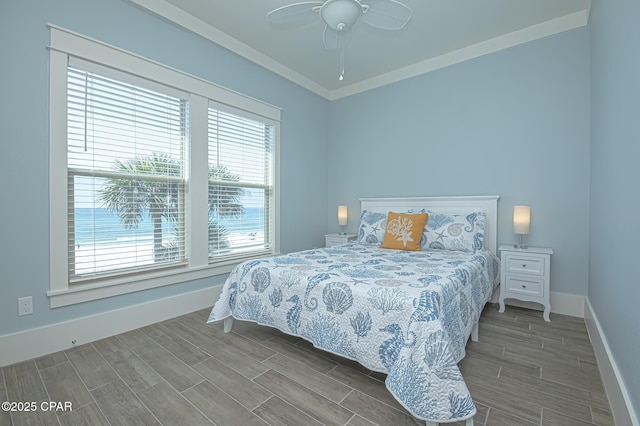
(340, 14)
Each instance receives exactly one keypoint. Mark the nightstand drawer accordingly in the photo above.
(524, 264)
(527, 286)
(336, 239)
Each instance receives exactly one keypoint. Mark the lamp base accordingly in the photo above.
(520, 245)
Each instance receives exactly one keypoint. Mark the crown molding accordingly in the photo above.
(189, 22)
(173, 14)
(525, 35)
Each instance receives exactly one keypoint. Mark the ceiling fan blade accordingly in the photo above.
(294, 12)
(335, 39)
(386, 14)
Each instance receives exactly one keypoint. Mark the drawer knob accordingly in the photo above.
(524, 265)
(524, 286)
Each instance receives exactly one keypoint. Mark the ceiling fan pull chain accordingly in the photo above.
(341, 64)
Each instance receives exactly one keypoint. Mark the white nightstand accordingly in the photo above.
(525, 275)
(335, 239)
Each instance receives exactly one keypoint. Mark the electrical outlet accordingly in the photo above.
(25, 305)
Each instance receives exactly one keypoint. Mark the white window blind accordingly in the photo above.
(126, 173)
(241, 194)
(133, 131)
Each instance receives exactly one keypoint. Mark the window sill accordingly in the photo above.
(81, 293)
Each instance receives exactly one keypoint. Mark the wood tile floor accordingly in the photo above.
(523, 371)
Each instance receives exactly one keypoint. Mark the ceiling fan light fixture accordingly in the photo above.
(340, 14)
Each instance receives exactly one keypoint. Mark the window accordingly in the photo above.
(240, 183)
(156, 177)
(126, 173)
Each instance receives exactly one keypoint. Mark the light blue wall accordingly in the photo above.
(614, 286)
(24, 258)
(513, 123)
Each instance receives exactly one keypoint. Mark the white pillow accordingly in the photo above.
(372, 227)
(450, 231)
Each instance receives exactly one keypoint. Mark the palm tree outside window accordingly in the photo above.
(128, 173)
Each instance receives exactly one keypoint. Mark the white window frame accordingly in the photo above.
(266, 186)
(65, 44)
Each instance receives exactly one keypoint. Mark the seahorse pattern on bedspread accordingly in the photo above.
(407, 314)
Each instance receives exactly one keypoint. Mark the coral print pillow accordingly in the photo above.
(461, 232)
(404, 231)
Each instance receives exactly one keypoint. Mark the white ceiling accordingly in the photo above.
(440, 33)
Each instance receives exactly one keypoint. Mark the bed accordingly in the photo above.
(408, 314)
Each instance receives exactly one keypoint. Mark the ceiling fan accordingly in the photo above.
(340, 15)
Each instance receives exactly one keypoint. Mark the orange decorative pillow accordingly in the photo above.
(404, 231)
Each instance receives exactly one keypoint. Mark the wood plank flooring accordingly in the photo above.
(524, 371)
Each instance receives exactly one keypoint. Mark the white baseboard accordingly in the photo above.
(561, 303)
(619, 399)
(52, 338)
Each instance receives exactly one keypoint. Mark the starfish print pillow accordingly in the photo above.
(404, 231)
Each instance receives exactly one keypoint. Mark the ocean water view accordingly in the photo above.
(103, 243)
(100, 226)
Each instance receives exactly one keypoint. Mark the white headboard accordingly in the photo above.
(458, 205)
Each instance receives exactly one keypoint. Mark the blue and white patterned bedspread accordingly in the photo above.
(408, 314)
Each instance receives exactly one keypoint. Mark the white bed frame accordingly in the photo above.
(462, 205)
(488, 204)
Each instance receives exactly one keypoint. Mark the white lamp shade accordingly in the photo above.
(521, 219)
(342, 215)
